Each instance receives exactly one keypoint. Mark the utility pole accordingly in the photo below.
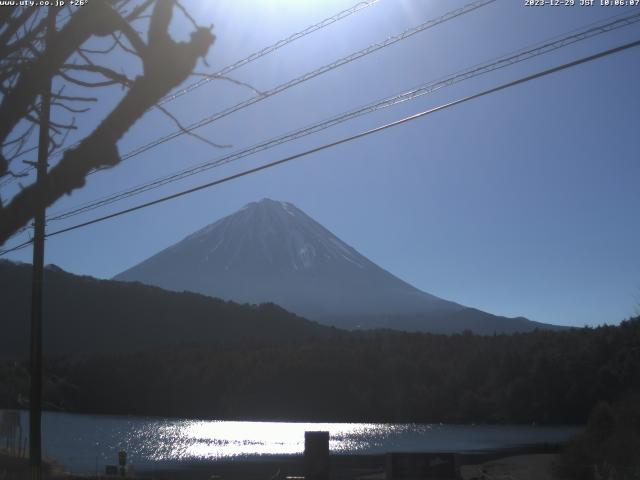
(35, 397)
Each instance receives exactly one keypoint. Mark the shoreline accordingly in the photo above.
(342, 466)
(532, 461)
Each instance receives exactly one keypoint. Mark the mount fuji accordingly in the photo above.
(272, 251)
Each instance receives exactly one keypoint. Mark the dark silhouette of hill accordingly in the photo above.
(272, 251)
(84, 314)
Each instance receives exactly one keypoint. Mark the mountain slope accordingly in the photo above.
(272, 251)
(84, 314)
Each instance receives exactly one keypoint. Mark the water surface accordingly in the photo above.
(85, 443)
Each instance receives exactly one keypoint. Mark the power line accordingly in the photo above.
(479, 69)
(372, 131)
(303, 78)
(240, 63)
(308, 76)
(271, 48)
(16, 248)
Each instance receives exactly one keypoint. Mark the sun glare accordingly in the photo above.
(217, 439)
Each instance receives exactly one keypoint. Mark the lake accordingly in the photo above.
(85, 443)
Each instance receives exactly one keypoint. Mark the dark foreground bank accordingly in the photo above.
(342, 467)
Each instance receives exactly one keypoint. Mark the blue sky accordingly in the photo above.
(520, 203)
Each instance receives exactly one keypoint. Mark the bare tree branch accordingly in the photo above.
(55, 145)
(68, 108)
(136, 12)
(95, 18)
(104, 71)
(187, 15)
(98, 52)
(74, 99)
(166, 65)
(83, 83)
(17, 175)
(189, 132)
(13, 26)
(30, 36)
(230, 79)
(134, 39)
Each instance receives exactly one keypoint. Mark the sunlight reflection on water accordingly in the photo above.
(218, 439)
(86, 443)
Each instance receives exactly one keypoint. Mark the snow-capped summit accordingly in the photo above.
(269, 233)
(271, 251)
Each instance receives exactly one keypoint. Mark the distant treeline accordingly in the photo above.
(543, 377)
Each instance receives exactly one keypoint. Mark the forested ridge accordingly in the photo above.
(544, 377)
(83, 314)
